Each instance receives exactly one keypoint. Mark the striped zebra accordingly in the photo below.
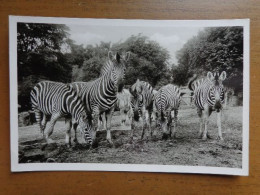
(142, 106)
(165, 110)
(100, 95)
(123, 104)
(59, 100)
(208, 96)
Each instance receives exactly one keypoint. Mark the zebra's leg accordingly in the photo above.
(146, 129)
(132, 130)
(104, 121)
(95, 127)
(100, 123)
(143, 125)
(149, 122)
(68, 124)
(205, 114)
(123, 114)
(219, 125)
(74, 127)
(49, 131)
(175, 119)
(108, 126)
(43, 122)
(38, 114)
(199, 111)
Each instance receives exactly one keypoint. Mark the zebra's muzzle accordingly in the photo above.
(136, 116)
(218, 106)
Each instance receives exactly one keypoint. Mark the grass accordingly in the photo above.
(187, 149)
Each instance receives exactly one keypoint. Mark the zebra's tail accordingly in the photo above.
(37, 113)
(191, 87)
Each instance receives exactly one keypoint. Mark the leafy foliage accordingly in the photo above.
(214, 49)
(148, 61)
(40, 57)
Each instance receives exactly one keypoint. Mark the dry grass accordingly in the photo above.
(187, 149)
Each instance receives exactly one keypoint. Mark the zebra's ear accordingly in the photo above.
(127, 56)
(118, 57)
(223, 76)
(210, 76)
(110, 55)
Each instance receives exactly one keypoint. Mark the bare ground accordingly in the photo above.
(186, 149)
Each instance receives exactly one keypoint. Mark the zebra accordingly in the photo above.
(124, 105)
(142, 106)
(59, 100)
(165, 110)
(208, 96)
(100, 95)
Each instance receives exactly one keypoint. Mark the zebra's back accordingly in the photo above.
(46, 96)
(52, 97)
(96, 93)
(167, 98)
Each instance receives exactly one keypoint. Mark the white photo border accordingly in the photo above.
(13, 85)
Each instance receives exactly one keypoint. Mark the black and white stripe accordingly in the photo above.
(142, 105)
(100, 95)
(209, 95)
(59, 100)
(166, 104)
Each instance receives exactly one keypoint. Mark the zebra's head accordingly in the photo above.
(162, 119)
(137, 99)
(119, 68)
(216, 90)
(86, 126)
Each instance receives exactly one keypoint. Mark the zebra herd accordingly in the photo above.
(85, 104)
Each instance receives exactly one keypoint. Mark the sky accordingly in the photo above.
(171, 38)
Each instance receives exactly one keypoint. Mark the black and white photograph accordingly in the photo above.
(129, 95)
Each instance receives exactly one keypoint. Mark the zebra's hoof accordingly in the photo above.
(204, 138)
(94, 144)
(220, 138)
(111, 144)
(165, 136)
(209, 136)
(75, 141)
(68, 145)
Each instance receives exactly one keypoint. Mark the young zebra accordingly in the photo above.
(59, 100)
(208, 97)
(165, 110)
(142, 106)
(123, 104)
(100, 95)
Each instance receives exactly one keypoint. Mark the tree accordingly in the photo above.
(40, 57)
(148, 61)
(213, 49)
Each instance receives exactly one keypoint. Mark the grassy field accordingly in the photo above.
(186, 149)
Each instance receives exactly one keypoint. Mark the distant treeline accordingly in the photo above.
(45, 52)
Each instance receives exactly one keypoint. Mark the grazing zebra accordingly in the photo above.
(165, 110)
(100, 95)
(142, 106)
(124, 105)
(59, 100)
(208, 96)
